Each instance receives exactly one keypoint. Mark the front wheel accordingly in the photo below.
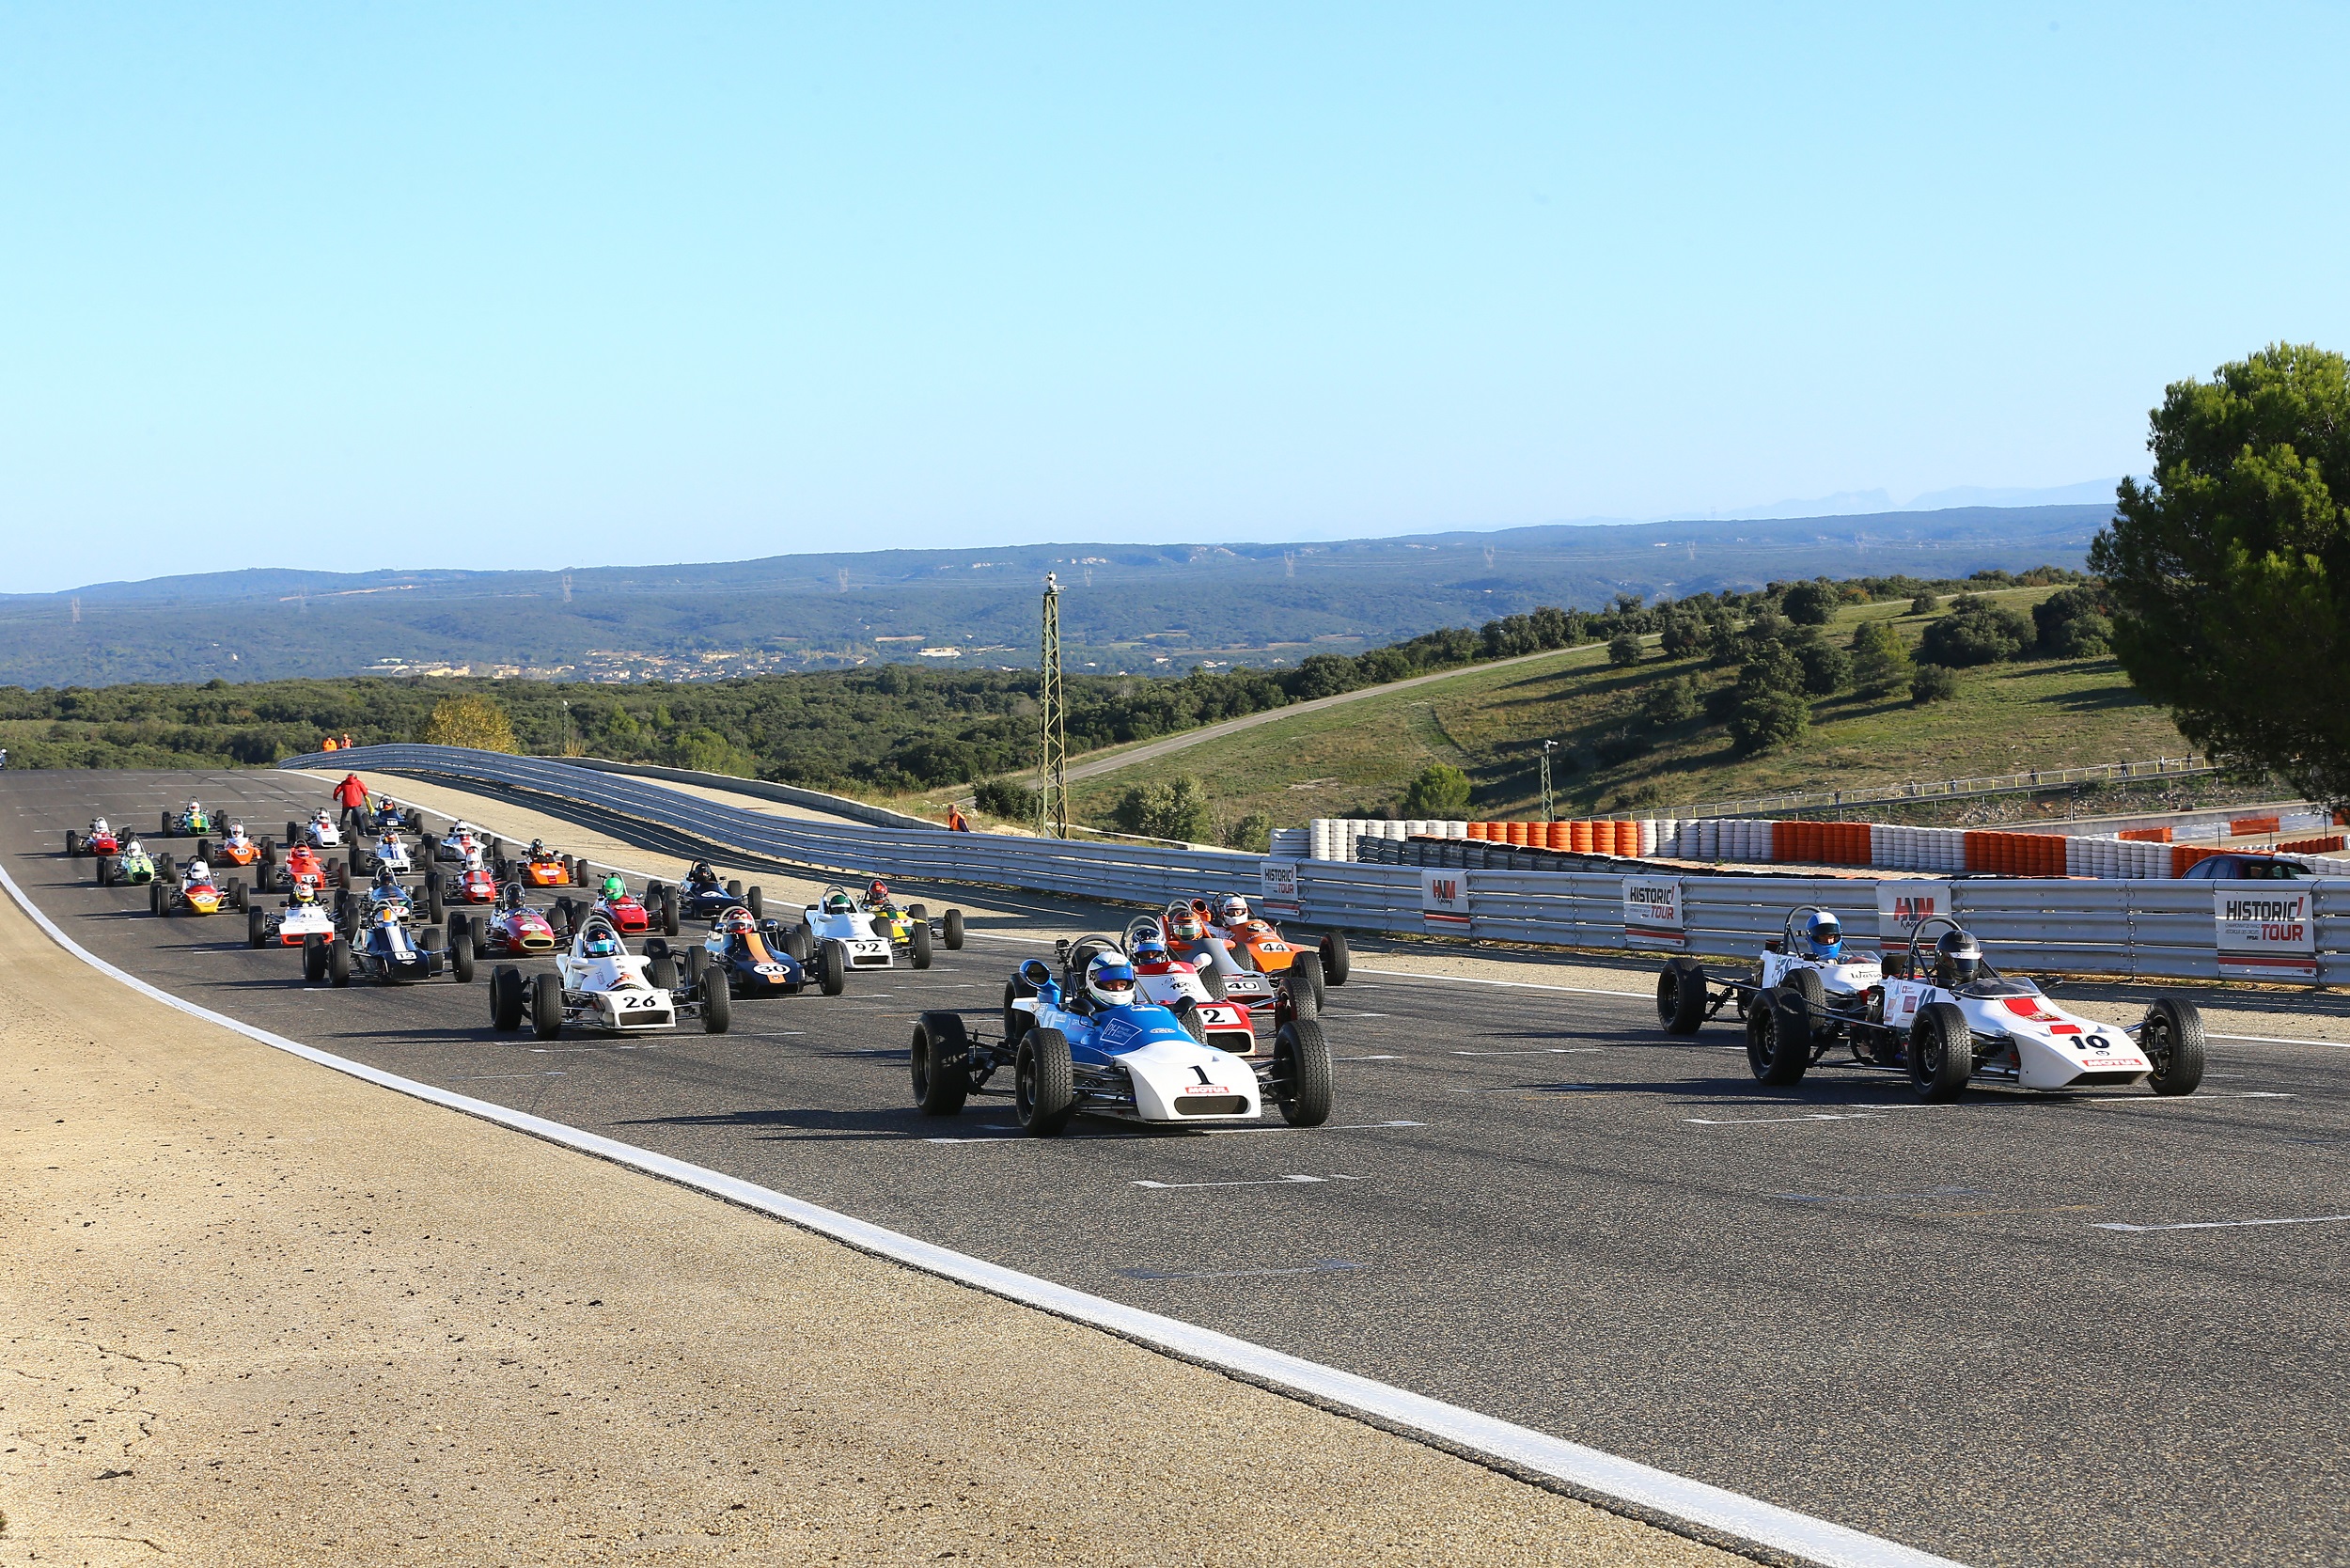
(954, 931)
(669, 912)
(506, 998)
(1016, 1020)
(921, 946)
(1301, 1074)
(546, 1006)
(1307, 967)
(338, 963)
(1941, 1052)
(661, 972)
(1680, 998)
(757, 903)
(313, 959)
(941, 1059)
(1338, 961)
(2172, 1038)
(255, 929)
(1186, 1012)
(1044, 1093)
(799, 943)
(461, 952)
(832, 969)
(717, 1001)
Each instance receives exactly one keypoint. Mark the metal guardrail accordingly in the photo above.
(2135, 929)
(2164, 768)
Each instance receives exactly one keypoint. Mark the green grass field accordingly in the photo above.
(1357, 760)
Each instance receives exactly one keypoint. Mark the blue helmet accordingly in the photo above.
(1110, 981)
(601, 944)
(1824, 936)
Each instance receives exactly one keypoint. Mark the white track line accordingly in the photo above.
(2225, 1224)
(1586, 1469)
(2279, 1040)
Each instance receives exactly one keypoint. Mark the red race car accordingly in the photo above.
(101, 839)
(305, 864)
(474, 884)
(513, 930)
(616, 904)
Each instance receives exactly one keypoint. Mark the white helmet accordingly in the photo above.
(97, 824)
(1233, 910)
(199, 871)
(1110, 979)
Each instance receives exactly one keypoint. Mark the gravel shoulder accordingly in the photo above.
(260, 1314)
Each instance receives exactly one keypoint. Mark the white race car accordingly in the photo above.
(301, 915)
(598, 985)
(836, 918)
(1946, 1018)
(465, 845)
(1808, 957)
(320, 832)
(389, 851)
(1089, 1043)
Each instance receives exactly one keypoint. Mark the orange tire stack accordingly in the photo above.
(2326, 845)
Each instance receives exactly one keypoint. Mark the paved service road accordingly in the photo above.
(1910, 1320)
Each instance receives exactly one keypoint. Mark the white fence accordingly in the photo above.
(2119, 927)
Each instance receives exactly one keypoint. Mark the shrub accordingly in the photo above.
(1771, 668)
(1621, 745)
(470, 721)
(1880, 660)
(1925, 604)
(1625, 648)
(1251, 835)
(1766, 721)
(2072, 623)
(1441, 791)
(1001, 797)
(1827, 669)
(1976, 631)
(1934, 683)
(1173, 811)
(1812, 604)
(1669, 702)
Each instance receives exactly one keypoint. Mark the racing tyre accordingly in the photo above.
(506, 998)
(1210, 981)
(155, 897)
(919, 911)
(433, 906)
(799, 943)
(293, 832)
(338, 963)
(236, 894)
(342, 873)
(832, 969)
(461, 952)
(1941, 1052)
(1016, 1021)
(921, 945)
(432, 847)
(171, 900)
(1307, 967)
(1301, 1074)
(941, 1058)
(546, 1006)
(72, 845)
(656, 948)
(1680, 998)
(718, 1002)
(165, 830)
(2172, 1038)
(1807, 984)
(661, 973)
(734, 889)
(757, 902)
(255, 929)
(313, 958)
(1778, 1036)
(668, 911)
(1044, 1088)
(105, 872)
(1186, 1012)
(203, 848)
(1303, 1003)
(954, 931)
(166, 867)
(697, 960)
(1336, 961)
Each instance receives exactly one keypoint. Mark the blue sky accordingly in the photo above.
(374, 285)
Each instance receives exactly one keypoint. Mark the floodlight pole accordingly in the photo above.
(1549, 814)
(1053, 784)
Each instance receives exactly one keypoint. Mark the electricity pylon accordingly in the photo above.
(1548, 815)
(1053, 784)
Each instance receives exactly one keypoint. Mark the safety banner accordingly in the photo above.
(1902, 905)
(2266, 930)
(1444, 899)
(1652, 916)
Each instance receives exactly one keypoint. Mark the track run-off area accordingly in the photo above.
(2019, 1328)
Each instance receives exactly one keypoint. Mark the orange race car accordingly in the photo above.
(541, 867)
(236, 847)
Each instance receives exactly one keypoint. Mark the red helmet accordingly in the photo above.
(737, 923)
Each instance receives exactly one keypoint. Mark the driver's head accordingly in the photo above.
(738, 922)
(303, 893)
(601, 944)
(840, 904)
(614, 887)
(135, 847)
(1110, 979)
(511, 897)
(386, 880)
(97, 824)
(199, 871)
(1957, 959)
(1149, 949)
(702, 873)
(1186, 926)
(1235, 910)
(878, 892)
(538, 846)
(1823, 936)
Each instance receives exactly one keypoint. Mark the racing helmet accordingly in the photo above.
(387, 839)
(1110, 979)
(1957, 959)
(134, 847)
(601, 943)
(738, 922)
(1149, 949)
(1824, 936)
(840, 904)
(511, 897)
(97, 824)
(702, 872)
(614, 887)
(303, 893)
(1184, 925)
(538, 847)
(199, 871)
(1235, 910)
(878, 892)
(386, 880)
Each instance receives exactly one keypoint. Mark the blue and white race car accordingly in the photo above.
(1087, 1042)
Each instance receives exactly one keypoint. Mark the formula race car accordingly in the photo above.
(387, 951)
(389, 816)
(386, 850)
(737, 949)
(1257, 944)
(1221, 970)
(98, 839)
(541, 867)
(513, 930)
(464, 845)
(291, 923)
(1808, 957)
(909, 927)
(186, 823)
(614, 902)
(1945, 1017)
(836, 918)
(319, 832)
(305, 864)
(1086, 1042)
(597, 985)
(133, 865)
(1161, 977)
(196, 893)
(236, 846)
(702, 894)
(465, 885)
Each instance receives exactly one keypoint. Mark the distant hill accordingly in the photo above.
(1138, 608)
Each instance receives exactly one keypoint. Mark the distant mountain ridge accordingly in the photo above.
(1147, 608)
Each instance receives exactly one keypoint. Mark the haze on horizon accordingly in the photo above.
(444, 286)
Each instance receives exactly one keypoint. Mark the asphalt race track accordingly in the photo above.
(1907, 1319)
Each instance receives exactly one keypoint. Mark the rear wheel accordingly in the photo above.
(832, 969)
(433, 906)
(506, 998)
(1301, 1074)
(954, 931)
(338, 963)
(461, 951)
(941, 1059)
(1044, 1091)
(1778, 1036)
(255, 929)
(919, 911)
(1941, 1052)
(1807, 984)
(105, 872)
(697, 958)
(203, 848)
(1308, 967)
(1337, 960)
(661, 973)
(1303, 1002)
(72, 844)
(921, 945)
(235, 893)
(546, 1006)
(2172, 1038)
(717, 1001)
(669, 912)
(757, 902)
(1680, 996)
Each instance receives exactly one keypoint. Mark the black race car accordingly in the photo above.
(757, 957)
(387, 952)
(702, 895)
